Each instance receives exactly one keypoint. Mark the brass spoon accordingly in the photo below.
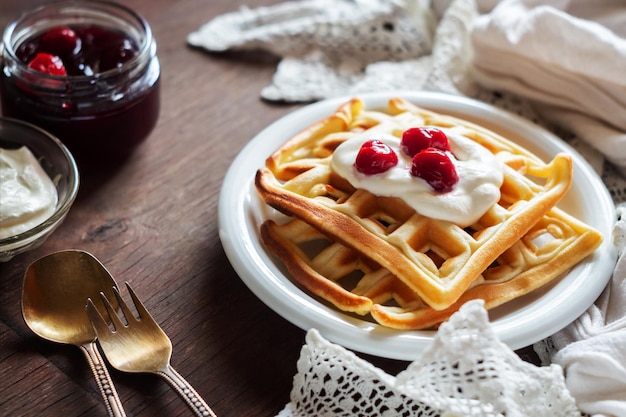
(54, 296)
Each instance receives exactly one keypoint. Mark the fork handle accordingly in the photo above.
(186, 392)
(103, 379)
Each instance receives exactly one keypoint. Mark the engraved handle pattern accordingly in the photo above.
(103, 379)
(186, 392)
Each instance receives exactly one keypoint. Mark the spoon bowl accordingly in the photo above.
(55, 292)
(54, 298)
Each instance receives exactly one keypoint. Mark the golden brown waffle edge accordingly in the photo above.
(525, 268)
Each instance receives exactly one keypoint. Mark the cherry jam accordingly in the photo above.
(86, 72)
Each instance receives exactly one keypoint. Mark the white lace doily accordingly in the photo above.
(316, 39)
(466, 372)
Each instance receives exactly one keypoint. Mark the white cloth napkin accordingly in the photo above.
(571, 68)
(316, 40)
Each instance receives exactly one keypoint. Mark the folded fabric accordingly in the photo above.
(316, 39)
(295, 28)
(572, 68)
(466, 372)
(592, 350)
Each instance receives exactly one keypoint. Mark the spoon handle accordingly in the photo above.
(186, 392)
(103, 379)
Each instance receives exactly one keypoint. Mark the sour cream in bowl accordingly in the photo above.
(38, 184)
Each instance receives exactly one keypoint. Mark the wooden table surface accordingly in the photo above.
(153, 223)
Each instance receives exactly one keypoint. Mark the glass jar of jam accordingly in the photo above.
(86, 71)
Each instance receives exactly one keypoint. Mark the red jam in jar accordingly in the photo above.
(86, 71)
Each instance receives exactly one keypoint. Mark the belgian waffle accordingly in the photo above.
(434, 264)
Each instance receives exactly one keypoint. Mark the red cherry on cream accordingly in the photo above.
(375, 157)
(436, 168)
(417, 139)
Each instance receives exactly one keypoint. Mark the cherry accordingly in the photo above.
(59, 40)
(115, 54)
(375, 157)
(436, 168)
(49, 64)
(417, 139)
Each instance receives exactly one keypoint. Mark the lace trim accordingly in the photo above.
(467, 371)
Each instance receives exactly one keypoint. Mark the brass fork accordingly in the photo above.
(141, 346)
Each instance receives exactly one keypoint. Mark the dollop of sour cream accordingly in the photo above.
(27, 195)
(480, 175)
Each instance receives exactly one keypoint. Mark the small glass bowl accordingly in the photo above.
(57, 161)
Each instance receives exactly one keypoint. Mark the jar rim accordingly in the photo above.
(147, 47)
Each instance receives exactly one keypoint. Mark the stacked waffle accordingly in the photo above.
(377, 255)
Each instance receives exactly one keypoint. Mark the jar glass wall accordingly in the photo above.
(100, 109)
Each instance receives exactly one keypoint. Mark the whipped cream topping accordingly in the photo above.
(28, 196)
(480, 174)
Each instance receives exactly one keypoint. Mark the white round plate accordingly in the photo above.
(518, 323)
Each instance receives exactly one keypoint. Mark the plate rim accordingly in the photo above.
(264, 278)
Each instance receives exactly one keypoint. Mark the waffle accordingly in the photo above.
(433, 265)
